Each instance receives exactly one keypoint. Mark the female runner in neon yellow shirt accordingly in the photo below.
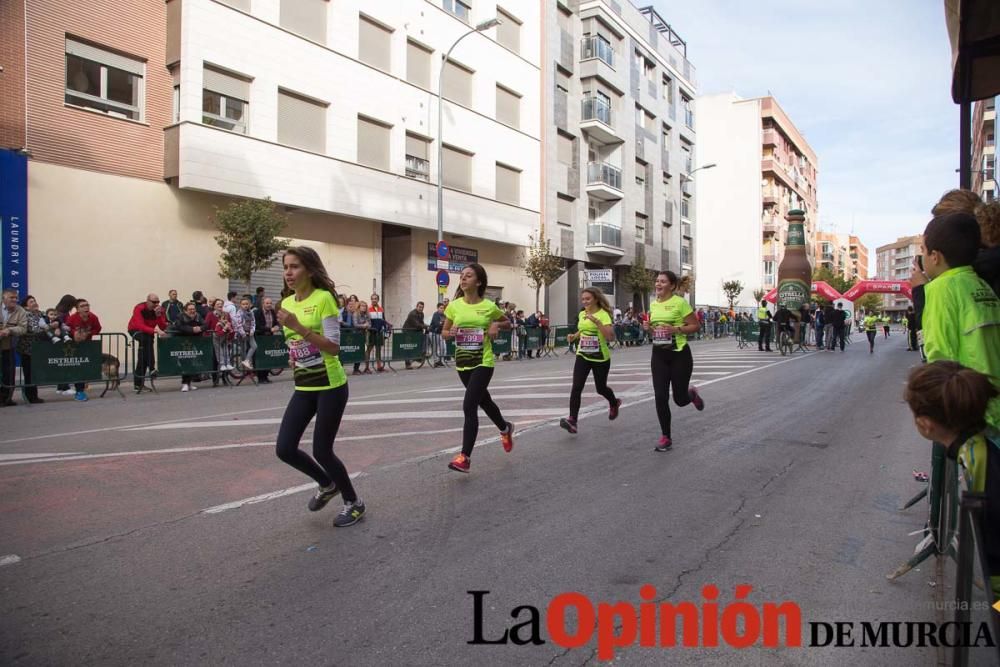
(593, 331)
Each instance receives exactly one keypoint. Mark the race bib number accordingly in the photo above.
(469, 339)
(661, 337)
(304, 353)
(590, 344)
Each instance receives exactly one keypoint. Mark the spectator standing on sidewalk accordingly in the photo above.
(415, 322)
(146, 324)
(245, 328)
(13, 322)
(961, 319)
(266, 324)
(379, 325)
(230, 305)
(764, 328)
(83, 325)
(911, 329)
(363, 323)
(438, 345)
(172, 308)
(201, 304)
(189, 324)
(36, 328)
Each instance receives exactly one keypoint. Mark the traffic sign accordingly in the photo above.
(442, 250)
(443, 279)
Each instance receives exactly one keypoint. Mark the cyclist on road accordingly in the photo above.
(474, 322)
(871, 330)
(671, 320)
(593, 331)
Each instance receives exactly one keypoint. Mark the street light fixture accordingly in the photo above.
(480, 27)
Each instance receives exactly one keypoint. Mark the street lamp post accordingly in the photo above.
(485, 25)
(680, 235)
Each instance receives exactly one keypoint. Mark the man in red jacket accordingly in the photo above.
(147, 322)
(82, 325)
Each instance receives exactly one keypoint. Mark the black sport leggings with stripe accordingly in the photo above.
(671, 369)
(581, 370)
(477, 395)
(328, 406)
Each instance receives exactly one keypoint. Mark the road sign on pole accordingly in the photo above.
(443, 279)
(443, 250)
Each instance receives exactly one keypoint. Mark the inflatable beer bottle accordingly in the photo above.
(795, 271)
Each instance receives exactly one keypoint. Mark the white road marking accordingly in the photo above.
(373, 416)
(9, 560)
(207, 448)
(17, 457)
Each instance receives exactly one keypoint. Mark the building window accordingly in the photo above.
(668, 90)
(458, 8)
(640, 228)
(508, 107)
(649, 123)
(508, 184)
(301, 122)
(304, 17)
(418, 65)
(564, 149)
(417, 161)
(175, 76)
(224, 100)
(457, 168)
(686, 159)
(640, 174)
(688, 111)
(666, 137)
(649, 69)
(685, 208)
(509, 31)
(457, 84)
(564, 210)
(373, 143)
(562, 79)
(374, 44)
(104, 81)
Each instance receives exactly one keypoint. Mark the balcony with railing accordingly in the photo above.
(418, 168)
(604, 239)
(596, 120)
(686, 229)
(604, 181)
(689, 118)
(597, 47)
(685, 209)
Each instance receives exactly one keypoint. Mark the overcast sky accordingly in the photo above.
(866, 81)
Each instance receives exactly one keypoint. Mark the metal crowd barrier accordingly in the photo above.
(104, 358)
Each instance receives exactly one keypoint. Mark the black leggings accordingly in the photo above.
(581, 370)
(477, 395)
(670, 369)
(871, 338)
(328, 407)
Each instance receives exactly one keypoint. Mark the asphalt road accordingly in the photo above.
(161, 530)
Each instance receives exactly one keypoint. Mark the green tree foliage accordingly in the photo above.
(733, 289)
(541, 267)
(248, 237)
(638, 280)
(870, 303)
(759, 294)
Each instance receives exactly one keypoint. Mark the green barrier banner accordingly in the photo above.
(560, 336)
(535, 338)
(449, 348)
(64, 363)
(352, 346)
(183, 355)
(407, 345)
(501, 344)
(271, 353)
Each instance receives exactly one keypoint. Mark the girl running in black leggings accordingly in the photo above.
(593, 331)
(474, 322)
(312, 331)
(671, 318)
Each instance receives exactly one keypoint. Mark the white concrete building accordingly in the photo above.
(764, 168)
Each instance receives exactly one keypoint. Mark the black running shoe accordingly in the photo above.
(696, 399)
(568, 424)
(350, 515)
(322, 497)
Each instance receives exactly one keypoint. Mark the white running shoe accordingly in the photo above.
(185, 387)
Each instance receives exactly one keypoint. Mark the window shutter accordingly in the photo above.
(301, 122)
(373, 143)
(226, 84)
(305, 17)
(108, 58)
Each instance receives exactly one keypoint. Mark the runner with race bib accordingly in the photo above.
(474, 322)
(671, 319)
(593, 331)
(311, 325)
